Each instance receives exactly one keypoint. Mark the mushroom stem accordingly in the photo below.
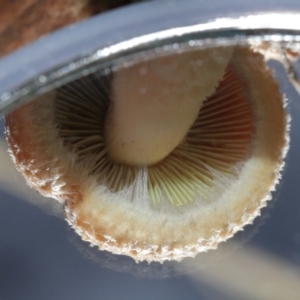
(155, 103)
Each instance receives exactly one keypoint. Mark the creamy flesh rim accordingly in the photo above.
(209, 186)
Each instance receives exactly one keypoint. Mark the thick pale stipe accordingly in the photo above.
(154, 104)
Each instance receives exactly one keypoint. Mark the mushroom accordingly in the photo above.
(161, 159)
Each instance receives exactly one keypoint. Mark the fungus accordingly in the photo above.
(159, 160)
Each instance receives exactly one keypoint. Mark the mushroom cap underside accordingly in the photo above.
(137, 226)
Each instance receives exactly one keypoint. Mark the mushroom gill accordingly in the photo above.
(159, 160)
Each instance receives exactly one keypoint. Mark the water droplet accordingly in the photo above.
(42, 78)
